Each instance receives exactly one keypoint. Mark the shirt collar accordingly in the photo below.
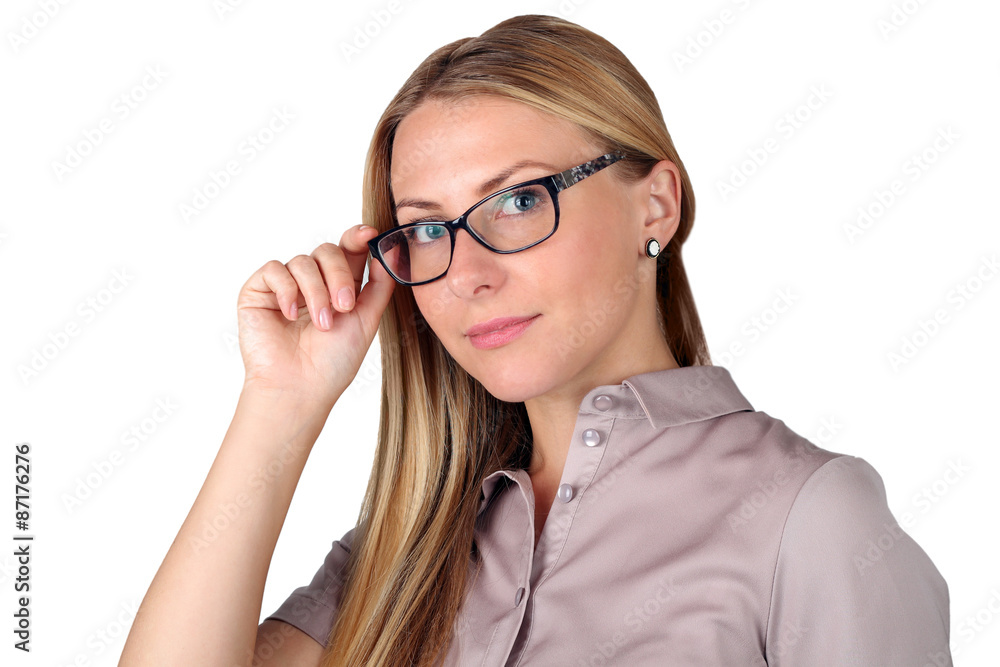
(678, 395)
(664, 398)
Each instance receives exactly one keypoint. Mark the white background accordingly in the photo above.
(169, 334)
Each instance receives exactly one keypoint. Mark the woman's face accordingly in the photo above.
(588, 286)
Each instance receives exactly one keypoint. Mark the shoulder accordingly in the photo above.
(840, 517)
(848, 479)
(848, 580)
(770, 436)
(761, 459)
(841, 504)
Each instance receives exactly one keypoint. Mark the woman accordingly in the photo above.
(561, 475)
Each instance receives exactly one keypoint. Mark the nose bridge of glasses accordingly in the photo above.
(464, 224)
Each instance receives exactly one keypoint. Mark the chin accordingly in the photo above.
(513, 373)
(510, 396)
(514, 383)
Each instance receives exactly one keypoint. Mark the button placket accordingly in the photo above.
(591, 437)
(581, 467)
(580, 470)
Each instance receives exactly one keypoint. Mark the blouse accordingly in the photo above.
(688, 529)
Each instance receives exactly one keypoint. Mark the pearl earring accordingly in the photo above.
(652, 248)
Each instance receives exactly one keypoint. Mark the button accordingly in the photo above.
(603, 402)
(565, 493)
(517, 596)
(591, 437)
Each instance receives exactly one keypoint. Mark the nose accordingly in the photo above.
(474, 267)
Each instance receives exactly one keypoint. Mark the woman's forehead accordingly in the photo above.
(475, 137)
(483, 120)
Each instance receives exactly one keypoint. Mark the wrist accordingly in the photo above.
(267, 419)
(260, 391)
(281, 406)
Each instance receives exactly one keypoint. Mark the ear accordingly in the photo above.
(661, 189)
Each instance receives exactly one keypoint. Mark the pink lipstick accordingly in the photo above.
(498, 331)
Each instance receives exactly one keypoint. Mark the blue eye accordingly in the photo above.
(518, 202)
(429, 233)
(524, 201)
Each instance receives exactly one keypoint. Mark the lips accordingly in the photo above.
(511, 328)
(495, 325)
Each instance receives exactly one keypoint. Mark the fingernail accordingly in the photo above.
(325, 318)
(345, 297)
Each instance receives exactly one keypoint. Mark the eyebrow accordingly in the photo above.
(488, 186)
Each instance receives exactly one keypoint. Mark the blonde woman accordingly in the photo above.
(562, 477)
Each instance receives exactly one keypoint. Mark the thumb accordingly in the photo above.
(374, 297)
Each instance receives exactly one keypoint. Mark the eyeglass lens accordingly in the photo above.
(507, 221)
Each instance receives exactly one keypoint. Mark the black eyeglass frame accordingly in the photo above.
(554, 183)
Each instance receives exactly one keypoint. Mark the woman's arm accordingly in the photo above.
(302, 346)
(204, 603)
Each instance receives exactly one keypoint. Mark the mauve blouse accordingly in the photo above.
(688, 529)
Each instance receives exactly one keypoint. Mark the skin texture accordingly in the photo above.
(570, 279)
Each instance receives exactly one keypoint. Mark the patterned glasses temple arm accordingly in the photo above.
(574, 175)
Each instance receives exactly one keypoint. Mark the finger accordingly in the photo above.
(310, 282)
(354, 243)
(273, 282)
(374, 297)
(337, 275)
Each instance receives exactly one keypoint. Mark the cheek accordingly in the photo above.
(434, 305)
(593, 264)
(596, 254)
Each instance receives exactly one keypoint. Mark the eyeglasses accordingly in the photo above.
(511, 220)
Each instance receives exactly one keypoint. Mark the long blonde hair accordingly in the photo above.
(441, 433)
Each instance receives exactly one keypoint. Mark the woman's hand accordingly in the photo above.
(296, 335)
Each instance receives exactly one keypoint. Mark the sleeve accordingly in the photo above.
(312, 609)
(850, 586)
